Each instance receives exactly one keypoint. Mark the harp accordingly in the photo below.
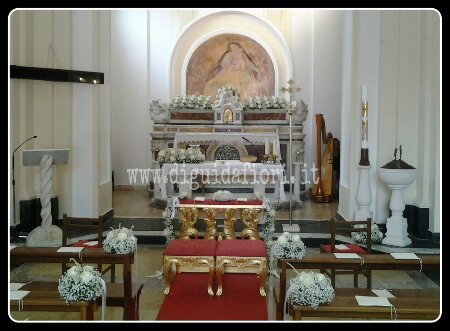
(322, 187)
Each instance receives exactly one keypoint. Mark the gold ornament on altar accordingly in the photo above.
(228, 115)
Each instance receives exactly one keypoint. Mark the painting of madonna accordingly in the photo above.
(227, 62)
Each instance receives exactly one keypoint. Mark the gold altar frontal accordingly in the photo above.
(190, 214)
(237, 262)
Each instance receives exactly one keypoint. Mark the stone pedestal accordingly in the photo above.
(364, 195)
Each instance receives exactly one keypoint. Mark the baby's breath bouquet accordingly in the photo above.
(223, 195)
(191, 102)
(120, 241)
(361, 237)
(310, 289)
(80, 283)
(168, 155)
(289, 246)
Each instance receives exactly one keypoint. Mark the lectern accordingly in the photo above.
(45, 235)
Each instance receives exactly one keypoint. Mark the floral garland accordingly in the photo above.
(310, 289)
(223, 195)
(80, 283)
(191, 102)
(268, 221)
(361, 237)
(169, 232)
(120, 241)
(190, 155)
(264, 102)
(231, 89)
(289, 246)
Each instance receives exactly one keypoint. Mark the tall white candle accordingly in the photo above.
(266, 149)
(364, 93)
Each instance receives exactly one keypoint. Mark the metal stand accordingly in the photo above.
(291, 90)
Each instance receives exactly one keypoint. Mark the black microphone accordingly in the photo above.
(23, 143)
(14, 180)
(254, 148)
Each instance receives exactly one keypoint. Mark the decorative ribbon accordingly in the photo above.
(103, 299)
(420, 261)
(175, 202)
(393, 310)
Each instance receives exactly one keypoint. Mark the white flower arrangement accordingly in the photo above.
(264, 102)
(361, 237)
(267, 223)
(120, 241)
(190, 155)
(223, 195)
(310, 289)
(191, 102)
(289, 246)
(233, 91)
(80, 283)
(169, 232)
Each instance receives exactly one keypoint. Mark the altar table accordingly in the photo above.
(256, 174)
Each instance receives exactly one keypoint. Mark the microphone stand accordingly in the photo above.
(14, 180)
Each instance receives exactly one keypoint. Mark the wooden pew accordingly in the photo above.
(50, 301)
(413, 304)
(92, 255)
(329, 261)
(114, 293)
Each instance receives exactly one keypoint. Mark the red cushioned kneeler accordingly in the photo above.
(241, 256)
(189, 255)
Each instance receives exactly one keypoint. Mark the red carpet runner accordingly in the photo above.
(189, 300)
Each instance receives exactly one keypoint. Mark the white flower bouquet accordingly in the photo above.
(264, 102)
(169, 231)
(120, 241)
(80, 284)
(310, 289)
(168, 155)
(191, 102)
(361, 237)
(289, 246)
(223, 195)
(190, 155)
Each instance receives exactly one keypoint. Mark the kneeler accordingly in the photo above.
(189, 255)
(241, 256)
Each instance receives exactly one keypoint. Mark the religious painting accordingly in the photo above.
(230, 60)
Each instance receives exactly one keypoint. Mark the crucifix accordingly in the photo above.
(291, 89)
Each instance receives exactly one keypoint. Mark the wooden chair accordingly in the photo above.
(86, 223)
(347, 227)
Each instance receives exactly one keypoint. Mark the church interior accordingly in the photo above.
(225, 165)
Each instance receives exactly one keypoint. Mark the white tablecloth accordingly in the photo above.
(259, 174)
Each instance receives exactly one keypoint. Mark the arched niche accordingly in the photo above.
(229, 22)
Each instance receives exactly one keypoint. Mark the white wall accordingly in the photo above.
(129, 106)
(62, 115)
(396, 54)
(327, 75)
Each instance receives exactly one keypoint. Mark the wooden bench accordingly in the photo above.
(371, 262)
(114, 294)
(93, 255)
(51, 301)
(412, 304)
